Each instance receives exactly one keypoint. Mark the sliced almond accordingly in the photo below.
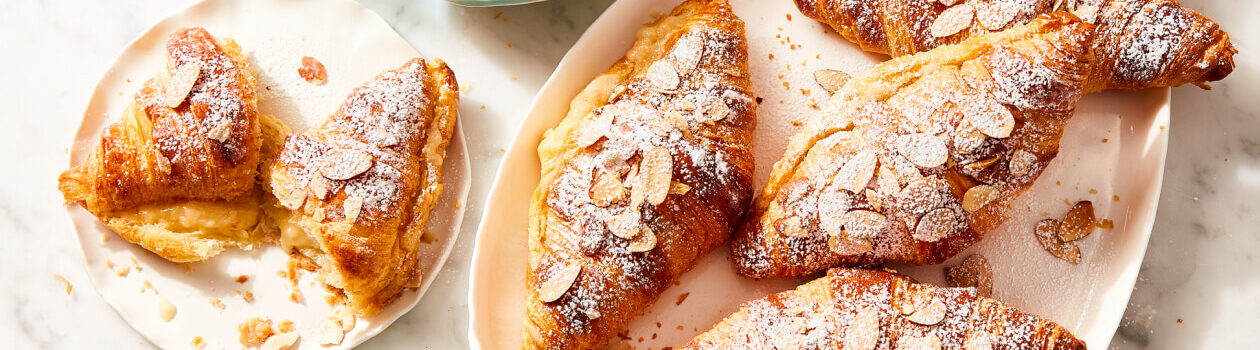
(974, 272)
(715, 110)
(952, 20)
(1078, 223)
(997, 14)
(381, 137)
(554, 287)
(929, 313)
(344, 163)
(318, 185)
(863, 224)
(220, 132)
(888, 180)
(678, 188)
(979, 340)
(1021, 162)
(290, 198)
(989, 116)
(831, 79)
(857, 172)
(656, 172)
(978, 196)
(595, 129)
(616, 92)
(330, 333)
(687, 53)
(833, 204)
(1087, 13)
(607, 189)
(847, 246)
(980, 165)
(625, 225)
(644, 241)
(182, 81)
(922, 195)
(166, 310)
(282, 341)
(875, 199)
(924, 150)
(968, 140)
(1047, 232)
(864, 331)
(910, 342)
(791, 226)
(353, 205)
(935, 225)
(161, 162)
(663, 76)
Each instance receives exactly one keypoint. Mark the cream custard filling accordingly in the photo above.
(235, 221)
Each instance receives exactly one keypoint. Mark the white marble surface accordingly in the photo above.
(1201, 268)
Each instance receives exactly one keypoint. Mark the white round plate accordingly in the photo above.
(1113, 148)
(355, 45)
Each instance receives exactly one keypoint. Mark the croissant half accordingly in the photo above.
(177, 173)
(857, 309)
(1140, 44)
(914, 160)
(357, 191)
(649, 171)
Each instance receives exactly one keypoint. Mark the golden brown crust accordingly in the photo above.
(365, 181)
(825, 314)
(883, 175)
(676, 112)
(1141, 43)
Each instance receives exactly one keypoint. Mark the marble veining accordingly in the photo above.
(1197, 289)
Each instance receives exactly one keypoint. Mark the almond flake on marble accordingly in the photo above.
(791, 226)
(181, 83)
(663, 76)
(678, 188)
(979, 340)
(553, 288)
(221, 131)
(923, 150)
(857, 172)
(1078, 223)
(345, 163)
(330, 333)
(935, 225)
(910, 342)
(952, 20)
(1021, 162)
(607, 189)
(833, 204)
(863, 224)
(978, 196)
(595, 129)
(864, 331)
(318, 185)
(282, 341)
(644, 241)
(1047, 233)
(625, 225)
(989, 117)
(353, 205)
(656, 173)
(831, 79)
(974, 272)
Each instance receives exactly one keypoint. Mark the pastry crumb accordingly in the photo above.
(242, 279)
(198, 342)
(330, 333)
(148, 286)
(313, 71)
(122, 270)
(255, 331)
(166, 310)
(217, 303)
(682, 297)
(286, 326)
(282, 341)
(64, 281)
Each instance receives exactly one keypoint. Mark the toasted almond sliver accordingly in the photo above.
(978, 196)
(382, 137)
(847, 246)
(952, 20)
(935, 225)
(607, 189)
(864, 331)
(968, 140)
(644, 241)
(318, 185)
(833, 204)
(989, 116)
(290, 198)
(280, 341)
(974, 272)
(1021, 162)
(330, 333)
(662, 75)
(1078, 223)
(678, 188)
(1087, 13)
(929, 313)
(553, 288)
(831, 79)
(863, 224)
(875, 199)
(715, 110)
(997, 14)
(162, 163)
(656, 172)
(910, 342)
(625, 225)
(220, 132)
(353, 206)
(924, 150)
(344, 163)
(166, 310)
(791, 226)
(1047, 233)
(980, 165)
(181, 84)
(687, 53)
(921, 195)
(595, 129)
(857, 172)
(888, 180)
(979, 340)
